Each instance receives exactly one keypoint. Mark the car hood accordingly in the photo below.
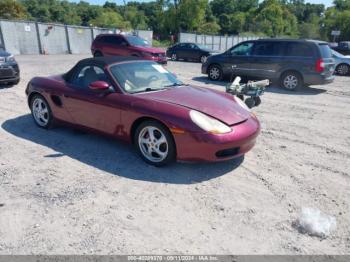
(213, 103)
(149, 49)
(216, 55)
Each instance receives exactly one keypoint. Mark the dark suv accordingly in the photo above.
(9, 70)
(292, 63)
(126, 45)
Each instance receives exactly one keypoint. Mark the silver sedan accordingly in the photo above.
(342, 63)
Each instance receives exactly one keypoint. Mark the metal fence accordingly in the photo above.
(215, 42)
(26, 37)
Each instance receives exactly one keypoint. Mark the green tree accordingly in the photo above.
(137, 18)
(274, 19)
(38, 10)
(110, 19)
(210, 28)
(12, 9)
(232, 23)
(88, 12)
(337, 19)
(191, 14)
(342, 5)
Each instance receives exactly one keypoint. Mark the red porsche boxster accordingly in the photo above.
(142, 103)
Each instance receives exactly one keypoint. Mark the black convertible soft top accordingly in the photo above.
(99, 61)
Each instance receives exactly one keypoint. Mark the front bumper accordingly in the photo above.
(210, 147)
(205, 68)
(9, 72)
(159, 59)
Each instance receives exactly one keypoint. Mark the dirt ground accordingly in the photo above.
(66, 192)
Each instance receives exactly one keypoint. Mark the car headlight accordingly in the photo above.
(10, 58)
(242, 104)
(208, 123)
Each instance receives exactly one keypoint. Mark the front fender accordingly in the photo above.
(171, 115)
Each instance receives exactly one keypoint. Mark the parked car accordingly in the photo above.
(342, 63)
(292, 63)
(126, 45)
(343, 48)
(189, 51)
(9, 70)
(142, 103)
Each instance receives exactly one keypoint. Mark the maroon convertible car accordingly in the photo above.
(142, 103)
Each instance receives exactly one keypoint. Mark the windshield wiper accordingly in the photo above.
(175, 84)
(148, 89)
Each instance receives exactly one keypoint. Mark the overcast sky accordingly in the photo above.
(101, 2)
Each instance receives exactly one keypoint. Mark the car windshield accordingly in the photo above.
(138, 77)
(137, 41)
(203, 47)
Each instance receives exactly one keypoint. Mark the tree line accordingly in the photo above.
(272, 18)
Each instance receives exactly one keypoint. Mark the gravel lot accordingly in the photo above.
(66, 192)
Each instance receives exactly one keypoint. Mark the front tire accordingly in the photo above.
(215, 73)
(174, 57)
(342, 69)
(203, 59)
(292, 81)
(154, 143)
(41, 111)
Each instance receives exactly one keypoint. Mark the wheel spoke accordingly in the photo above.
(144, 141)
(160, 153)
(161, 140)
(151, 133)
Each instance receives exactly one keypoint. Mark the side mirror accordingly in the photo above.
(99, 86)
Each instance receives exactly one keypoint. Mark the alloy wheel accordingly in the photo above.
(214, 73)
(153, 144)
(40, 112)
(174, 57)
(290, 82)
(204, 59)
(343, 70)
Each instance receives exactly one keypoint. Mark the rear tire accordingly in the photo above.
(41, 111)
(215, 73)
(343, 69)
(291, 81)
(250, 102)
(154, 143)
